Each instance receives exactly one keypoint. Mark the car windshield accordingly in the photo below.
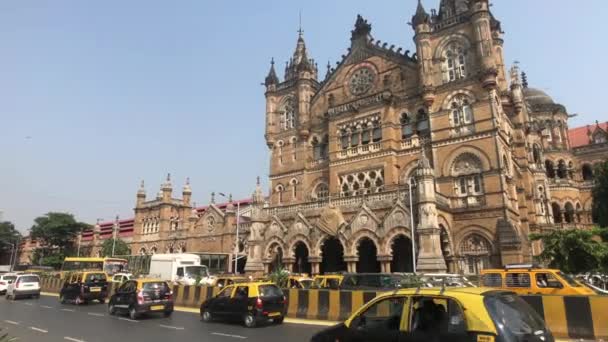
(195, 271)
(156, 286)
(29, 279)
(569, 279)
(270, 291)
(95, 277)
(514, 316)
(9, 278)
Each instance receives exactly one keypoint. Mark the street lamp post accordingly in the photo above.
(411, 183)
(114, 235)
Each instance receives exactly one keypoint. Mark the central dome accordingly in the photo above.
(536, 96)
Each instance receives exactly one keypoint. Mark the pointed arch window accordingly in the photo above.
(468, 171)
(422, 122)
(455, 62)
(279, 190)
(319, 148)
(587, 172)
(288, 114)
(321, 192)
(406, 126)
(461, 111)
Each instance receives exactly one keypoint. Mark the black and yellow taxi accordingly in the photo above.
(83, 287)
(328, 281)
(225, 280)
(140, 296)
(299, 281)
(252, 303)
(442, 314)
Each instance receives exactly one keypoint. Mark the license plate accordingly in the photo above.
(274, 314)
(157, 307)
(95, 289)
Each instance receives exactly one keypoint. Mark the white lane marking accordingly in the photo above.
(72, 339)
(170, 327)
(39, 330)
(46, 306)
(68, 310)
(228, 335)
(11, 322)
(95, 314)
(29, 304)
(127, 319)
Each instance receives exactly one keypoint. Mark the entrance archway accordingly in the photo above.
(333, 256)
(277, 261)
(301, 265)
(402, 254)
(368, 257)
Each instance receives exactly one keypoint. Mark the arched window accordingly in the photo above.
(422, 123)
(579, 212)
(570, 170)
(344, 139)
(557, 212)
(467, 169)
(153, 250)
(461, 111)
(376, 131)
(294, 188)
(288, 114)
(455, 63)
(406, 126)
(319, 148)
(142, 251)
(475, 253)
(536, 154)
(562, 171)
(550, 168)
(587, 172)
(321, 192)
(569, 213)
(294, 148)
(279, 190)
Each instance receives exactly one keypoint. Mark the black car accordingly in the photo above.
(250, 303)
(141, 296)
(83, 287)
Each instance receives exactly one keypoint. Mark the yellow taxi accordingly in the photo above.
(328, 281)
(225, 280)
(526, 279)
(442, 314)
(301, 281)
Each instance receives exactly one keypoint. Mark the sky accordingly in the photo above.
(96, 96)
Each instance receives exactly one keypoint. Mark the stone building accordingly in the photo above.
(489, 159)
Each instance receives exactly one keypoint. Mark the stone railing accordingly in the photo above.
(360, 150)
(468, 202)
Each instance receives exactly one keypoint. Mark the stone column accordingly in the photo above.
(385, 263)
(315, 264)
(351, 263)
(430, 257)
(289, 262)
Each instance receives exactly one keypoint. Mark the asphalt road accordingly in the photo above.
(45, 319)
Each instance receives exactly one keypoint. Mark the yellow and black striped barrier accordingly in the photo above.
(572, 317)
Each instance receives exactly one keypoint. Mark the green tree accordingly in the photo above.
(600, 194)
(280, 277)
(57, 230)
(120, 248)
(8, 236)
(572, 251)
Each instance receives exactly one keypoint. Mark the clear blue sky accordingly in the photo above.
(97, 95)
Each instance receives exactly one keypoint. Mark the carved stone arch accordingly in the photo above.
(294, 241)
(276, 228)
(407, 171)
(274, 241)
(356, 238)
(445, 41)
(445, 105)
(294, 181)
(364, 219)
(399, 216)
(442, 221)
(318, 245)
(300, 226)
(472, 230)
(477, 152)
(387, 242)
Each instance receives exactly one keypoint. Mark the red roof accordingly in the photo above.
(579, 136)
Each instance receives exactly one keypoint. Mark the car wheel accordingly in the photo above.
(207, 316)
(133, 313)
(111, 309)
(167, 313)
(278, 320)
(249, 321)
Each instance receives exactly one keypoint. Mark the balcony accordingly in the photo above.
(360, 150)
(468, 202)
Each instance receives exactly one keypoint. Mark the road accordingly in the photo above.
(45, 319)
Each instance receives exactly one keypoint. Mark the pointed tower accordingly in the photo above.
(141, 195)
(421, 22)
(187, 192)
(430, 258)
(167, 189)
(255, 263)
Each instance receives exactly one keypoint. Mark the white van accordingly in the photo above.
(179, 268)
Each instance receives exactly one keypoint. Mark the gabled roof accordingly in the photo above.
(579, 136)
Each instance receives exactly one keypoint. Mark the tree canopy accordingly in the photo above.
(8, 235)
(57, 230)
(120, 248)
(573, 250)
(600, 194)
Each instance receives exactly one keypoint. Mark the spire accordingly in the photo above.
(524, 79)
(258, 194)
(213, 198)
(142, 189)
(167, 184)
(299, 61)
(421, 16)
(362, 30)
(272, 77)
(187, 188)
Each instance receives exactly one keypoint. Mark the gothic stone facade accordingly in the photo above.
(474, 140)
